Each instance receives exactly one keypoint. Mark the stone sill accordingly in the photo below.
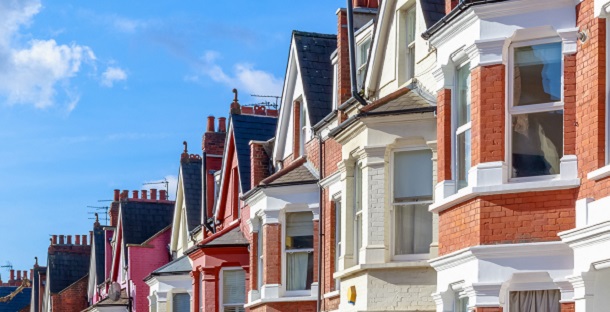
(511, 187)
(599, 174)
(381, 266)
(331, 294)
(280, 299)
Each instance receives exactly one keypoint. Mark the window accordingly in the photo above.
(362, 57)
(412, 175)
(335, 86)
(299, 251)
(181, 302)
(337, 238)
(461, 304)
(260, 250)
(534, 301)
(357, 212)
(233, 290)
(536, 110)
(462, 126)
(303, 123)
(410, 32)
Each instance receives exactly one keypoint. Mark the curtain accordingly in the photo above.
(413, 229)
(296, 273)
(535, 301)
(234, 287)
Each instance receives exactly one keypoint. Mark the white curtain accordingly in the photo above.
(535, 301)
(296, 273)
(413, 229)
(234, 287)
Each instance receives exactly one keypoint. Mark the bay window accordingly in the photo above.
(412, 194)
(233, 291)
(299, 251)
(259, 257)
(410, 42)
(181, 302)
(536, 108)
(462, 126)
(534, 301)
(461, 304)
(357, 203)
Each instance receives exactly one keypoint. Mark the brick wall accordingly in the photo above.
(272, 253)
(443, 134)
(71, 299)
(344, 82)
(300, 306)
(259, 163)
(505, 219)
(568, 307)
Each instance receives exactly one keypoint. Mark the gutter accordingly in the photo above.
(320, 225)
(461, 7)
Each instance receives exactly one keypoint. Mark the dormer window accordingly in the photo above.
(410, 42)
(362, 58)
(304, 128)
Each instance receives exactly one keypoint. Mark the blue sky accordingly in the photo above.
(98, 95)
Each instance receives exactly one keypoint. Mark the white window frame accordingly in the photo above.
(335, 85)
(528, 109)
(303, 123)
(358, 214)
(410, 47)
(284, 222)
(221, 304)
(411, 257)
(338, 239)
(461, 129)
(360, 64)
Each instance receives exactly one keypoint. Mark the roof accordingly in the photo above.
(20, 301)
(433, 11)
(100, 253)
(302, 173)
(180, 265)
(190, 171)
(232, 237)
(65, 268)
(142, 220)
(248, 128)
(313, 53)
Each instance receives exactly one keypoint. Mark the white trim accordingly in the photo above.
(600, 173)
(279, 299)
(381, 266)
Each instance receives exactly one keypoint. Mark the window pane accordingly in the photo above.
(337, 238)
(181, 303)
(537, 143)
(537, 74)
(201, 299)
(234, 309)
(411, 25)
(413, 229)
(461, 305)
(234, 286)
(463, 158)
(535, 301)
(299, 230)
(357, 188)
(463, 96)
(412, 175)
(358, 238)
(299, 270)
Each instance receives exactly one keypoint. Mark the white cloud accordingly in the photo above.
(245, 77)
(34, 72)
(113, 74)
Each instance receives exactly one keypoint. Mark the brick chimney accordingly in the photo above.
(372, 4)
(450, 5)
(135, 194)
(144, 194)
(84, 240)
(76, 239)
(54, 240)
(18, 275)
(69, 240)
(162, 195)
(259, 163)
(210, 126)
(117, 195)
(61, 239)
(153, 194)
(222, 124)
(124, 195)
(213, 143)
(12, 275)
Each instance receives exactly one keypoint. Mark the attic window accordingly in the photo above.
(362, 58)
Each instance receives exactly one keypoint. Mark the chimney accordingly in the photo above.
(235, 107)
(25, 274)
(54, 240)
(117, 194)
(124, 195)
(31, 274)
(222, 124)
(12, 275)
(153, 194)
(450, 5)
(210, 127)
(162, 195)
(61, 240)
(76, 239)
(135, 194)
(18, 275)
(84, 240)
(144, 194)
(371, 4)
(259, 163)
(69, 239)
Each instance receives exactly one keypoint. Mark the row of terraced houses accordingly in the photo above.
(457, 161)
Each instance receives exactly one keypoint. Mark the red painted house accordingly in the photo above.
(221, 259)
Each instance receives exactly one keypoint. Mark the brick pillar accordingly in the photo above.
(487, 114)
(209, 289)
(344, 82)
(316, 250)
(272, 254)
(569, 105)
(296, 129)
(254, 261)
(443, 135)
(568, 307)
(195, 276)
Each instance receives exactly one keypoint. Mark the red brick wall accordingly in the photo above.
(505, 219)
(71, 299)
(449, 5)
(344, 81)
(487, 111)
(443, 134)
(568, 307)
(301, 306)
(569, 105)
(272, 254)
(259, 164)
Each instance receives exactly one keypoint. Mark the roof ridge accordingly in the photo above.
(313, 34)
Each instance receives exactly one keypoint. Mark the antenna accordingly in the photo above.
(97, 208)
(161, 182)
(267, 103)
(8, 266)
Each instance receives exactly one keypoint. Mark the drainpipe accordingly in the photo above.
(320, 225)
(204, 195)
(352, 53)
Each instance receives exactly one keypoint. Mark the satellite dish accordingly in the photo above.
(115, 291)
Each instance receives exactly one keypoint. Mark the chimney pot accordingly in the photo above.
(31, 274)
(144, 194)
(61, 239)
(25, 274)
(222, 124)
(124, 194)
(18, 275)
(210, 127)
(84, 240)
(117, 194)
(135, 194)
(76, 239)
(54, 240)
(69, 240)
(153, 194)
(162, 195)
(90, 237)
(12, 275)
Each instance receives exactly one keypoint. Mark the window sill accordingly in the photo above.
(510, 187)
(599, 174)
(331, 294)
(280, 299)
(376, 266)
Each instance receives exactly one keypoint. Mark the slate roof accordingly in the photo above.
(191, 182)
(20, 301)
(65, 268)
(232, 237)
(299, 174)
(142, 220)
(100, 253)
(433, 11)
(180, 265)
(313, 52)
(247, 128)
